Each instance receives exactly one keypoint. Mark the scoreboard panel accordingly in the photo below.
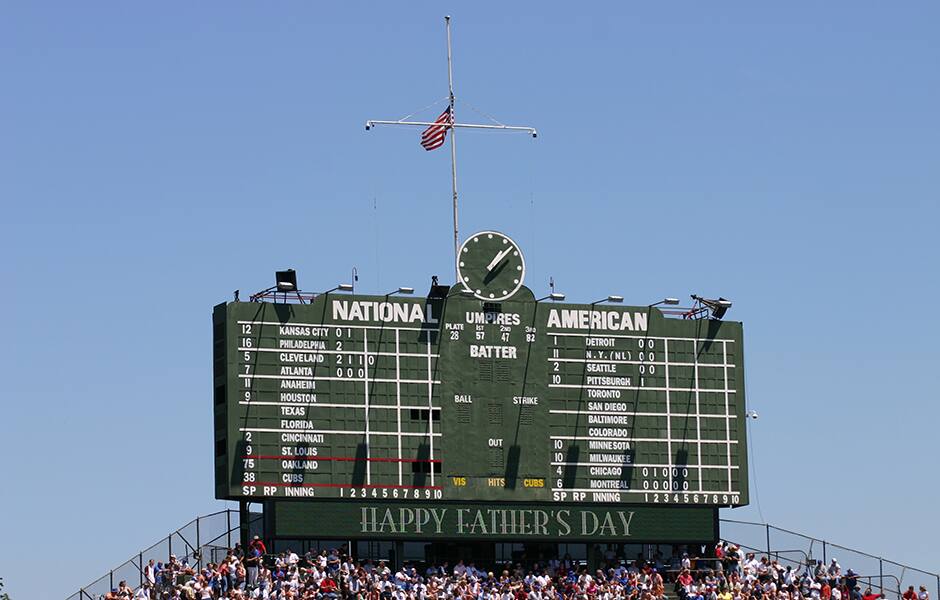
(458, 398)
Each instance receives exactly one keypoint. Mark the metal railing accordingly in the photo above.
(880, 574)
(203, 540)
(207, 539)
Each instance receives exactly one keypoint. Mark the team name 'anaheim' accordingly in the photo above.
(597, 320)
(398, 312)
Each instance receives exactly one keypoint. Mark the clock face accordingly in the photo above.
(490, 265)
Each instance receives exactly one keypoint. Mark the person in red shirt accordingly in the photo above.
(869, 595)
(328, 587)
(259, 544)
(685, 579)
(910, 594)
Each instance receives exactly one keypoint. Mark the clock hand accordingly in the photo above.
(498, 258)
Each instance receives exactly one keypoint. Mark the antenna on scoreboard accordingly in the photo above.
(433, 136)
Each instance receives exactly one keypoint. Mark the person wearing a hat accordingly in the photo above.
(258, 543)
(835, 570)
(850, 583)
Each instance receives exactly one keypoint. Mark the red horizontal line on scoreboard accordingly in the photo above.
(344, 458)
(349, 485)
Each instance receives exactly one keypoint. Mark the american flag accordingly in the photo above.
(433, 137)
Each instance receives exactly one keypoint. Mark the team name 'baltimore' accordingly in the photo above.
(399, 312)
(597, 320)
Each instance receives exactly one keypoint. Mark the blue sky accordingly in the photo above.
(155, 157)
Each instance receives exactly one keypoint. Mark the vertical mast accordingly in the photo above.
(453, 145)
(495, 126)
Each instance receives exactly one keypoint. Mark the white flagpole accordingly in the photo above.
(454, 125)
(453, 145)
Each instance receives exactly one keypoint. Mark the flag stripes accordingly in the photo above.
(433, 137)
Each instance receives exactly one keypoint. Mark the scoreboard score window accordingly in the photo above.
(472, 398)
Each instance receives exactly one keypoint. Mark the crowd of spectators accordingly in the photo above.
(730, 574)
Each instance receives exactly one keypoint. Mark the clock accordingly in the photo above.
(490, 265)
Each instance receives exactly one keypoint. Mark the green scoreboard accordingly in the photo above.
(477, 392)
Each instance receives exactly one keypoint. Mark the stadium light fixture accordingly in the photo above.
(554, 297)
(438, 291)
(285, 281)
(667, 301)
(612, 299)
(402, 290)
(343, 287)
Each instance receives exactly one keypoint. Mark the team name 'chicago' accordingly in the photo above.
(365, 310)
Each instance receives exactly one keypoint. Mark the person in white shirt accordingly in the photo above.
(751, 565)
(150, 573)
(814, 589)
(835, 570)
